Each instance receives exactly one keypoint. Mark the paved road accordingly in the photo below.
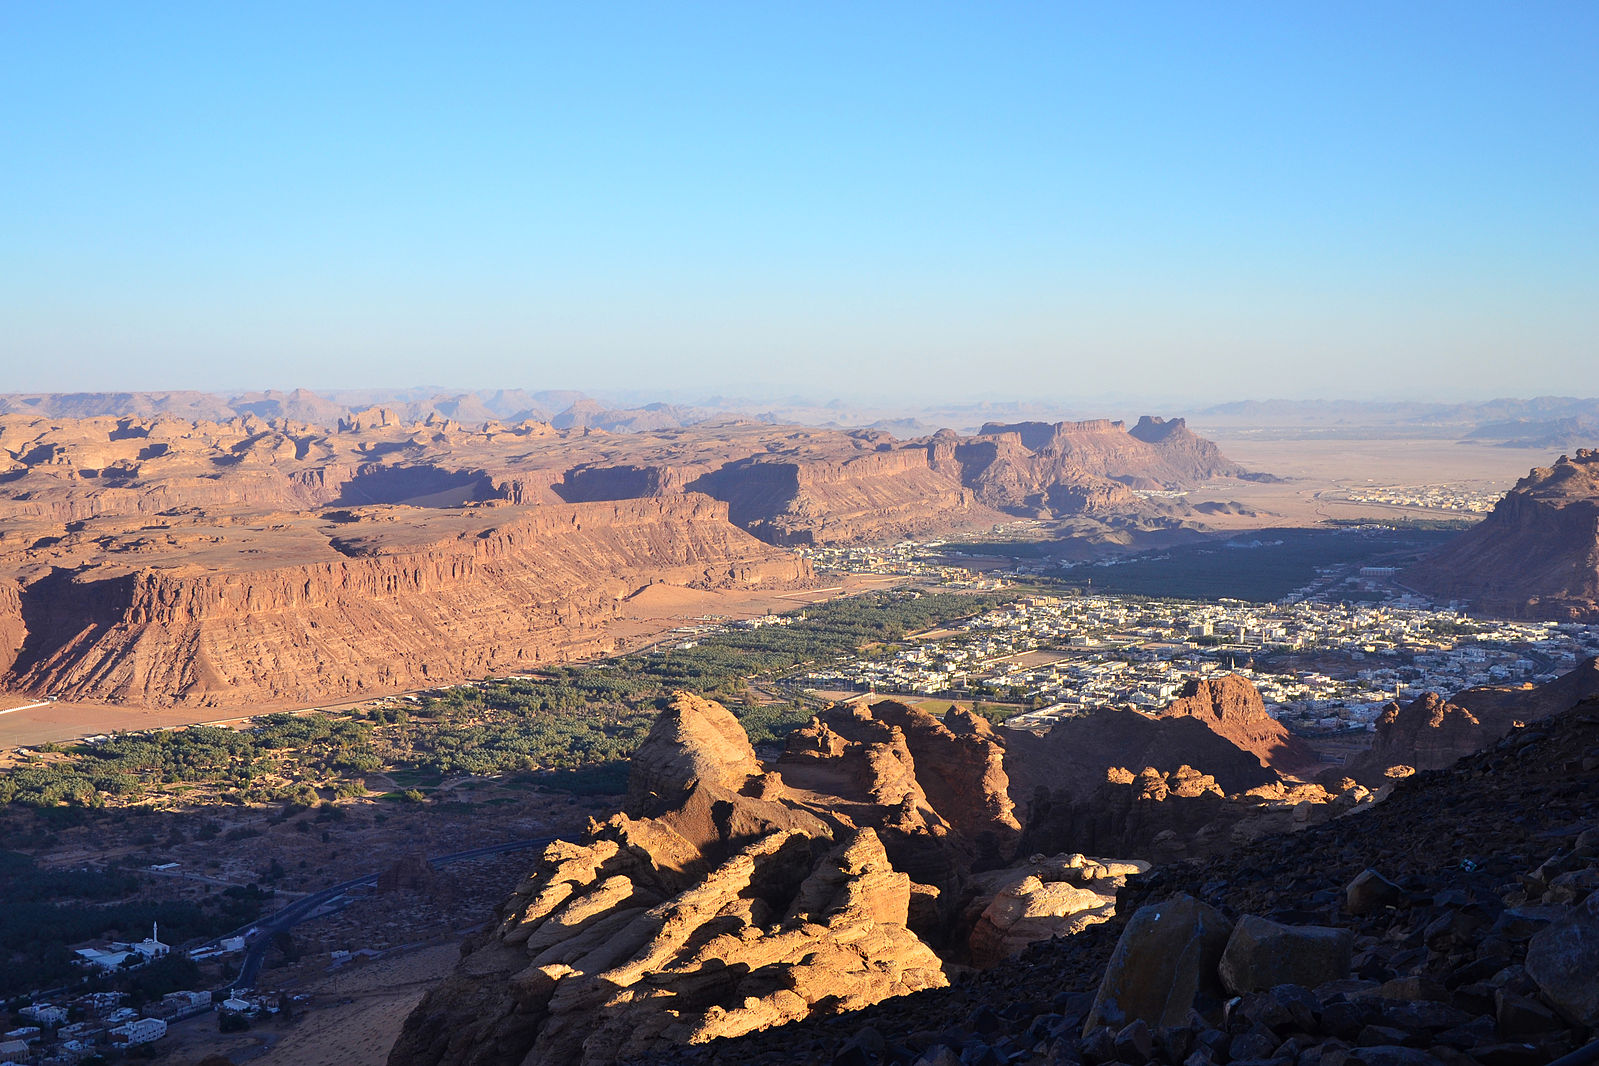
(259, 933)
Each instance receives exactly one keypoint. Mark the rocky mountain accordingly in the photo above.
(1231, 707)
(1429, 733)
(313, 544)
(832, 907)
(884, 852)
(1455, 923)
(1198, 778)
(726, 898)
(1536, 555)
(1073, 467)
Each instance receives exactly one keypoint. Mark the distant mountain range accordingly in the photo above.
(1551, 422)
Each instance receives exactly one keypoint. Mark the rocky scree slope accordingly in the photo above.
(1455, 923)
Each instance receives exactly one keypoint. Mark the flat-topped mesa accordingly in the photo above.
(1231, 707)
(1536, 555)
(379, 615)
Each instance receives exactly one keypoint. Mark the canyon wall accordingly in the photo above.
(536, 588)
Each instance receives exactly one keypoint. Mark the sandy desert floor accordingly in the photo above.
(1314, 469)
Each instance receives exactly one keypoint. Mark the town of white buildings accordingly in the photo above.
(1323, 665)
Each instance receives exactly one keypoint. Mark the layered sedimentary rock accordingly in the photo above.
(1536, 555)
(725, 899)
(151, 558)
(373, 615)
(1042, 898)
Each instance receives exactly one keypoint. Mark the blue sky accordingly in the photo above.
(925, 200)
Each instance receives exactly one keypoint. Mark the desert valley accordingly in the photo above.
(826, 534)
(803, 720)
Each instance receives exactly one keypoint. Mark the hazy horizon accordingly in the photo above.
(1161, 205)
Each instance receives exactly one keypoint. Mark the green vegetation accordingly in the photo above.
(1284, 560)
(577, 724)
(48, 910)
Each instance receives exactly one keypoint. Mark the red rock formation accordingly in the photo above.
(538, 587)
(1426, 734)
(1431, 734)
(1198, 778)
(735, 904)
(1231, 707)
(261, 558)
(727, 899)
(1535, 556)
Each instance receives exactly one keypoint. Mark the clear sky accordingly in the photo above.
(935, 200)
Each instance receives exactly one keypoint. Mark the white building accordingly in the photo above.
(45, 1014)
(139, 1031)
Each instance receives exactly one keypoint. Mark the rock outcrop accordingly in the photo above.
(1536, 555)
(727, 898)
(1428, 733)
(1200, 777)
(1042, 898)
(1483, 952)
(1431, 733)
(1231, 707)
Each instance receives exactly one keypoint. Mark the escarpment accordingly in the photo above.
(1536, 555)
(374, 615)
(255, 557)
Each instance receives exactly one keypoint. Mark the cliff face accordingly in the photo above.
(1091, 465)
(537, 588)
(879, 495)
(155, 558)
(1536, 555)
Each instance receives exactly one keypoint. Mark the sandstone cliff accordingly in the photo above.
(536, 588)
(241, 555)
(1536, 555)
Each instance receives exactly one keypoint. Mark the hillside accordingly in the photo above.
(1536, 555)
(1475, 948)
